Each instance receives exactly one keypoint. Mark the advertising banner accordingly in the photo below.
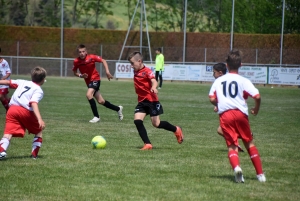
(257, 74)
(285, 76)
(123, 70)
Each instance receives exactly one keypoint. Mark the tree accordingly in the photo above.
(18, 12)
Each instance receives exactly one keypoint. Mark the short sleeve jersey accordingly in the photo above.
(88, 66)
(4, 70)
(26, 93)
(142, 84)
(232, 91)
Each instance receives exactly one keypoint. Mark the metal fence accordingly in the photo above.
(63, 67)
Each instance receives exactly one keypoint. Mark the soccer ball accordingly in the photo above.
(98, 142)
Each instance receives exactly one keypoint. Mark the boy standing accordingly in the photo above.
(159, 66)
(85, 63)
(24, 111)
(145, 87)
(229, 93)
(4, 75)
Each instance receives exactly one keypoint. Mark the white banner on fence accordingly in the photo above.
(123, 70)
(207, 73)
(285, 76)
(257, 74)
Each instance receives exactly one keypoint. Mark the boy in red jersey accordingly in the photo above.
(85, 63)
(229, 93)
(24, 112)
(145, 87)
(220, 69)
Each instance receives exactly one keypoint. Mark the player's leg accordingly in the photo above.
(3, 98)
(139, 123)
(220, 132)
(4, 143)
(156, 109)
(90, 96)
(36, 145)
(160, 79)
(106, 103)
(227, 123)
(256, 161)
(156, 75)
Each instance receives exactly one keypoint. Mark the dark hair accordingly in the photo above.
(234, 59)
(220, 67)
(80, 46)
(38, 74)
(158, 49)
(136, 55)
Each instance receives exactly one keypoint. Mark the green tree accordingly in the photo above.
(18, 11)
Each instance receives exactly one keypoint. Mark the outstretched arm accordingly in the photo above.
(4, 82)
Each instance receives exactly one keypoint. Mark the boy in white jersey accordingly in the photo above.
(4, 75)
(220, 69)
(229, 93)
(24, 111)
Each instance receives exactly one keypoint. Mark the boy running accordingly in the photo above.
(146, 88)
(229, 93)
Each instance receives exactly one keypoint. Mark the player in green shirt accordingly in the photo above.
(159, 66)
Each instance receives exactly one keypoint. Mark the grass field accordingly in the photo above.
(198, 169)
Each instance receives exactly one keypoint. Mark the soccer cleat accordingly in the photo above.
(147, 147)
(261, 178)
(2, 155)
(120, 113)
(178, 134)
(95, 120)
(33, 157)
(159, 87)
(238, 175)
(240, 148)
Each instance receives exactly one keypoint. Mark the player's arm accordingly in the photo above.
(4, 82)
(6, 76)
(108, 75)
(36, 111)
(154, 86)
(213, 100)
(257, 101)
(84, 75)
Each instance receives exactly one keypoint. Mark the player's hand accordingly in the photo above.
(109, 76)
(84, 75)
(254, 111)
(154, 90)
(41, 124)
(215, 109)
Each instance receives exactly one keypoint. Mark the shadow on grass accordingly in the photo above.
(19, 157)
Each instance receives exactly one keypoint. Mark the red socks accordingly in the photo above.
(255, 158)
(233, 158)
(36, 145)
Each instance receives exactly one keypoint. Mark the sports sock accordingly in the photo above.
(167, 126)
(4, 143)
(255, 158)
(142, 131)
(94, 107)
(233, 158)
(36, 145)
(111, 106)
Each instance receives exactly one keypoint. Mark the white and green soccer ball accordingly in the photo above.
(98, 142)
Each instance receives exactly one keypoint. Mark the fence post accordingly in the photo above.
(18, 49)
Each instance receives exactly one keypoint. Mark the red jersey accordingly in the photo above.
(88, 66)
(142, 84)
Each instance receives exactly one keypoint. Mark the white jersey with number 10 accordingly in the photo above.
(231, 91)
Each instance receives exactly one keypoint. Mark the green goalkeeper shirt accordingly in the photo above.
(159, 62)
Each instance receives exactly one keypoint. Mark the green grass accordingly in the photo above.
(69, 169)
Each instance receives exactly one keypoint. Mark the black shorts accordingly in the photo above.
(95, 85)
(152, 108)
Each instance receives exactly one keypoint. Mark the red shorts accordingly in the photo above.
(235, 124)
(4, 91)
(18, 119)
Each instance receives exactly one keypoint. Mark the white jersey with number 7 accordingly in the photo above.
(26, 93)
(231, 91)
